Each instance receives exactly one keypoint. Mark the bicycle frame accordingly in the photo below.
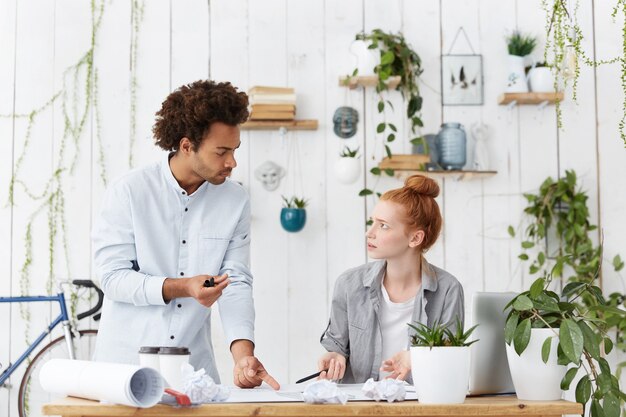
(62, 318)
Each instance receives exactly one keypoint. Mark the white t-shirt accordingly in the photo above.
(393, 321)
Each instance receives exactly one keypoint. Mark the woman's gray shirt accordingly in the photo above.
(354, 326)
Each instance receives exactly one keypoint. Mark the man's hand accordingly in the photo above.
(194, 287)
(335, 363)
(399, 365)
(249, 372)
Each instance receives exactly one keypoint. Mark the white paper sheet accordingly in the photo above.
(293, 393)
(109, 382)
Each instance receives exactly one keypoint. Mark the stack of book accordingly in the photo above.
(272, 103)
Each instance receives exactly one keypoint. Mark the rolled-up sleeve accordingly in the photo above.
(236, 303)
(336, 337)
(114, 251)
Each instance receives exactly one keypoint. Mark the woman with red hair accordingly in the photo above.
(367, 334)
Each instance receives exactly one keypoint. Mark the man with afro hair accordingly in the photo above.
(173, 238)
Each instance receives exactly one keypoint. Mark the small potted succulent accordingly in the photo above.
(520, 46)
(293, 215)
(347, 167)
(440, 363)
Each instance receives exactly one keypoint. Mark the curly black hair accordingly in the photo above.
(192, 109)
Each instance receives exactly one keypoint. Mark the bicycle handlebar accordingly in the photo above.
(87, 283)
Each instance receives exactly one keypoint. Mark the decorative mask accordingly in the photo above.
(270, 174)
(345, 121)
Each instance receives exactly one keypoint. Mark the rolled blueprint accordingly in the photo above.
(110, 382)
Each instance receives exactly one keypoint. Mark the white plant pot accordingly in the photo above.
(540, 80)
(516, 79)
(441, 374)
(347, 170)
(533, 379)
(366, 59)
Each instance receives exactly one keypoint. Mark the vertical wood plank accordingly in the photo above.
(229, 62)
(345, 214)
(7, 85)
(306, 255)
(34, 86)
(268, 65)
(463, 201)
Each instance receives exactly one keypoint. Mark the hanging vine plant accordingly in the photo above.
(78, 99)
(397, 58)
(564, 50)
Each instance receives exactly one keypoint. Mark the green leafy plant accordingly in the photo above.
(520, 44)
(440, 335)
(559, 211)
(295, 202)
(582, 338)
(349, 153)
(397, 58)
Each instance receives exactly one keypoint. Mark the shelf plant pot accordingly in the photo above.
(347, 170)
(292, 219)
(533, 379)
(441, 374)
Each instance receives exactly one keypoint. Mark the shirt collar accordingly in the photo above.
(169, 175)
(374, 275)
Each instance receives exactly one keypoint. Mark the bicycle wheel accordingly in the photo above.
(31, 396)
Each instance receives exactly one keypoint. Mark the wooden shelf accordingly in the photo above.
(403, 174)
(277, 124)
(529, 98)
(367, 81)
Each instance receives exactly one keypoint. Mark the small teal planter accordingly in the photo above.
(293, 219)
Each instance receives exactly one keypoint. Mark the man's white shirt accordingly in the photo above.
(150, 229)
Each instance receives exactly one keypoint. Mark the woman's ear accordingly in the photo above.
(416, 238)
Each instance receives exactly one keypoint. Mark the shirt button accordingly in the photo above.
(182, 274)
(183, 194)
(186, 209)
(180, 305)
(172, 337)
(184, 241)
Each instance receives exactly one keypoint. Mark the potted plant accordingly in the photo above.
(540, 78)
(397, 58)
(519, 46)
(293, 215)
(347, 167)
(440, 363)
(569, 334)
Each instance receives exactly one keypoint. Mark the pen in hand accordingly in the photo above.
(315, 375)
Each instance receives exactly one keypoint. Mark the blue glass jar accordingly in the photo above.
(451, 143)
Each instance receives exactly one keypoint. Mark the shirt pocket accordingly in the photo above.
(212, 251)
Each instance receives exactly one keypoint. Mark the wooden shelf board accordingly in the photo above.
(367, 81)
(277, 124)
(403, 174)
(530, 98)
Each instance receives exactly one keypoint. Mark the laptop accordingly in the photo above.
(489, 368)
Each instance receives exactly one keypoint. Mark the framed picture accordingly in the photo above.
(462, 80)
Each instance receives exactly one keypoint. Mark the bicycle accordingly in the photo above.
(74, 344)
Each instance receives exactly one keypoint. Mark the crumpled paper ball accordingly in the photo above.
(324, 392)
(387, 389)
(200, 387)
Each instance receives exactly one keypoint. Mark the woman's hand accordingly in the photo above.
(399, 365)
(335, 363)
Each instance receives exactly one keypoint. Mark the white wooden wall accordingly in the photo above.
(303, 45)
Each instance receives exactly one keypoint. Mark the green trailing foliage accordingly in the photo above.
(397, 58)
(349, 153)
